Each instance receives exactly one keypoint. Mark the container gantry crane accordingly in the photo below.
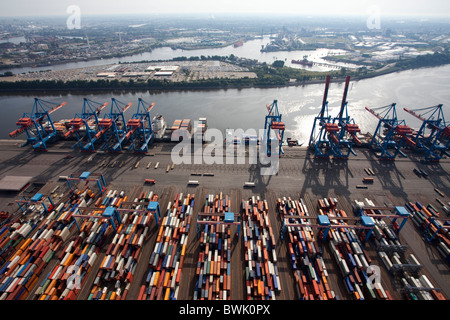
(318, 140)
(273, 128)
(139, 127)
(38, 132)
(342, 134)
(433, 137)
(112, 127)
(390, 133)
(88, 121)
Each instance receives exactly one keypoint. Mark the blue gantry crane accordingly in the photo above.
(273, 128)
(140, 131)
(112, 127)
(390, 133)
(38, 132)
(318, 140)
(333, 136)
(85, 125)
(344, 135)
(433, 137)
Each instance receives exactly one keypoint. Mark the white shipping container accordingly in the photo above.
(413, 259)
(357, 261)
(120, 263)
(66, 256)
(43, 233)
(141, 240)
(278, 282)
(358, 289)
(363, 261)
(9, 288)
(344, 267)
(57, 273)
(25, 230)
(425, 281)
(14, 261)
(396, 260)
(356, 248)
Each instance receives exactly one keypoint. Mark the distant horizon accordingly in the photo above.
(213, 15)
(343, 8)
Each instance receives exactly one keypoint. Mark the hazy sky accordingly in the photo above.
(338, 7)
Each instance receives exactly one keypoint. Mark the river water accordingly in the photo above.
(245, 108)
(250, 50)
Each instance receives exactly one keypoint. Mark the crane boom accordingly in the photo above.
(325, 96)
(344, 97)
(374, 113)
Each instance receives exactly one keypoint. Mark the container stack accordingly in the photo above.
(186, 125)
(421, 216)
(352, 260)
(13, 237)
(75, 261)
(40, 240)
(213, 271)
(118, 266)
(261, 272)
(176, 125)
(167, 259)
(406, 270)
(22, 270)
(310, 272)
(201, 128)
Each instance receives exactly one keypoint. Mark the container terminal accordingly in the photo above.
(105, 214)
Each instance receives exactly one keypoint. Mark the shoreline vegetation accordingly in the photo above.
(268, 76)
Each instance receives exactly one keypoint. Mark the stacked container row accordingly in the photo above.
(392, 260)
(118, 266)
(421, 216)
(40, 240)
(213, 272)
(261, 273)
(310, 272)
(78, 257)
(353, 261)
(167, 259)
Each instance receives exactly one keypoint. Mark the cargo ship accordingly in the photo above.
(238, 44)
(303, 62)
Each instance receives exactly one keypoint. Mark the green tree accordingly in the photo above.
(278, 64)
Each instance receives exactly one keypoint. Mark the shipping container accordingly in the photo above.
(167, 258)
(305, 253)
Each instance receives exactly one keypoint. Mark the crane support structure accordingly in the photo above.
(273, 129)
(390, 133)
(38, 132)
(85, 124)
(342, 141)
(139, 127)
(433, 137)
(318, 140)
(113, 127)
(334, 136)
